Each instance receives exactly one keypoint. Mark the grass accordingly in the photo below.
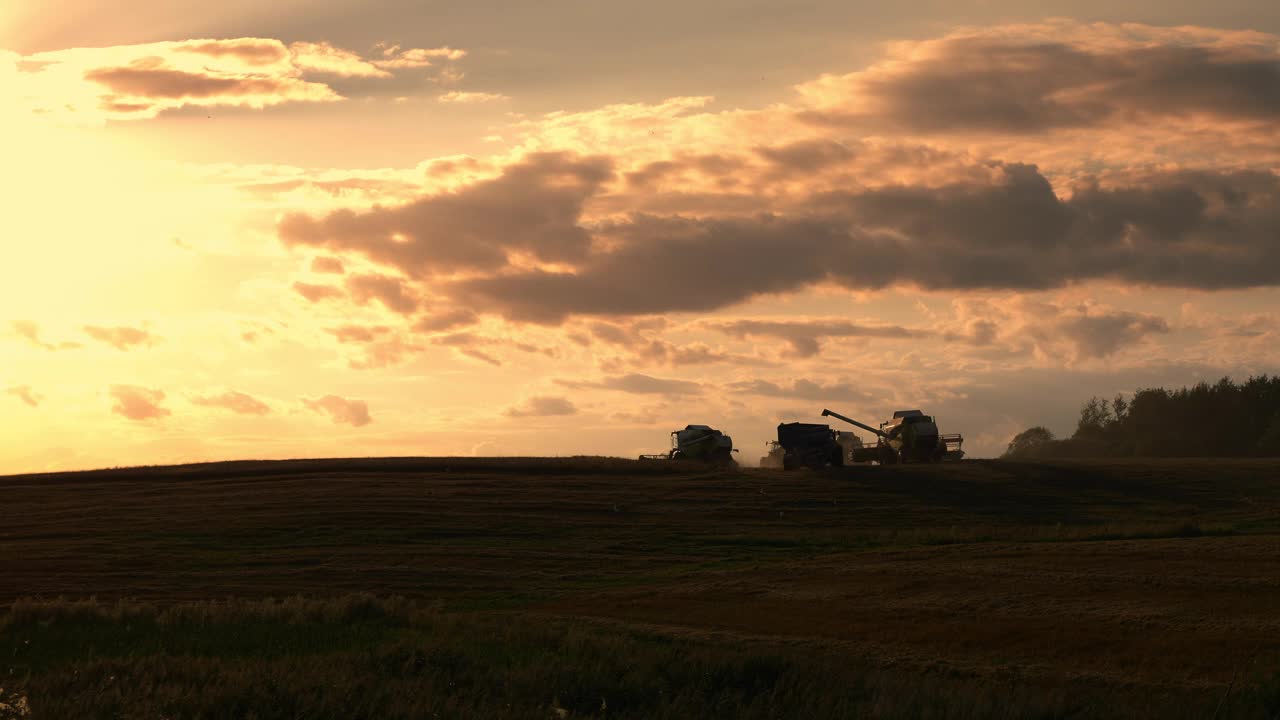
(523, 587)
(363, 657)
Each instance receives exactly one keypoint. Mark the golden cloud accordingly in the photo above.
(138, 403)
(89, 85)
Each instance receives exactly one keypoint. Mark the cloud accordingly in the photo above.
(137, 403)
(148, 85)
(542, 406)
(386, 353)
(323, 264)
(805, 337)
(1055, 332)
(379, 347)
(665, 264)
(808, 155)
(30, 332)
(648, 350)
(390, 291)
(252, 51)
(480, 355)
(234, 401)
(1098, 336)
(468, 344)
(446, 320)
(533, 207)
(470, 98)
(802, 390)
(1034, 78)
(1093, 333)
(671, 208)
(131, 82)
(316, 293)
(638, 384)
(664, 352)
(395, 57)
(25, 394)
(120, 338)
(323, 58)
(1178, 229)
(358, 333)
(341, 410)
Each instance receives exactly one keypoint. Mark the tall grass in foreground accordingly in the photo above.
(363, 657)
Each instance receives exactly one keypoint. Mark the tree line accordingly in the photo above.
(1225, 419)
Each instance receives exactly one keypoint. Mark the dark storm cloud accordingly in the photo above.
(534, 206)
(805, 337)
(638, 384)
(1014, 85)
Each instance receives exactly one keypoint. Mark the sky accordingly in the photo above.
(271, 230)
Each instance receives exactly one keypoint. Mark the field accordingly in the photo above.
(587, 587)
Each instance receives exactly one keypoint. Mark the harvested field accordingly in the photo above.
(1049, 589)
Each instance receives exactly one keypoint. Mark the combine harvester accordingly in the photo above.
(910, 437)
(810, 445)
(699, 443)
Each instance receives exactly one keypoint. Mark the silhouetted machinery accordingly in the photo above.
(701, 443)
(773, 456)
(911, 436)
(810, 445)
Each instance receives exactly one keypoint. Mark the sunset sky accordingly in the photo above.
(306, 229)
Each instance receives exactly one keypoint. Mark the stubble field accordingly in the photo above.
(588, 587)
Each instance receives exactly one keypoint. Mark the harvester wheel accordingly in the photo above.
(789, 462)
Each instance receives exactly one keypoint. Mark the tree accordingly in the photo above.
(1119, 408)
(1269, 443)
(1029, 442)
(1095, 418)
